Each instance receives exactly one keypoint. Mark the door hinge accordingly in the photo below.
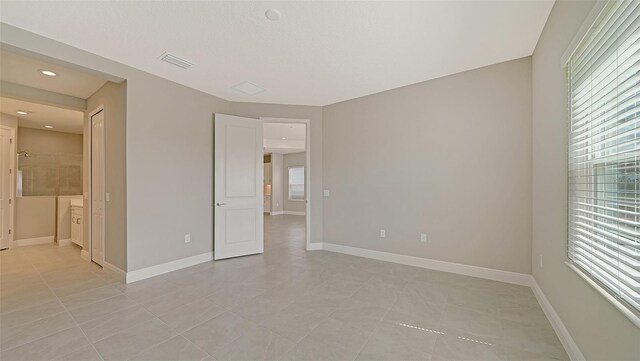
(10, 140)
(9, 231)
(9, 200)
(9, 170)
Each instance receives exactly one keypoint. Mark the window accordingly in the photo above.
(296, 183)
(604, 153)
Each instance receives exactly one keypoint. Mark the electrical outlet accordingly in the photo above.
(383, 233)
(540, 261)
(187, 238)
(326, 193)
(423, 237)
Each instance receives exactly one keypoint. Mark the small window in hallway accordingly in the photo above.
(296, 183)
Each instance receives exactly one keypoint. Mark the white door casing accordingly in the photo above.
(97, 187)
(7, 153)
(238, 186)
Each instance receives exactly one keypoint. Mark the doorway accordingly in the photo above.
(239, 184)
(287, 183)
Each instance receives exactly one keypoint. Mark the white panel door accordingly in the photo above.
(97, 187)
(5, 187)
(238, 187)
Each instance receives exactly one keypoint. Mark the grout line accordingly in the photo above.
(180, 335)
(69, 313)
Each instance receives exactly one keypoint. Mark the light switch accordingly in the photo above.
(107, 197)
(326, 193)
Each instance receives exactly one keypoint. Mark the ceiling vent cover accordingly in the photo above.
(177, 61)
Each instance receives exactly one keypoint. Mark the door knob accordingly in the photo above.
(220, 204)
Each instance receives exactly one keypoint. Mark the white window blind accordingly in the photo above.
(604, 153)
(296, 183)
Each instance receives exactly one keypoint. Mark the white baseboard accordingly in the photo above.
(292, 213)
(278, 213)
(33, 241)
(487, 273)
(314, 246)
(64, 242)
(163, 268)
(561, 331)
(85, 255)
(119, 273)
(463, 269)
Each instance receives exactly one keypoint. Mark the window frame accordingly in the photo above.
(304, 181)
(627, 309)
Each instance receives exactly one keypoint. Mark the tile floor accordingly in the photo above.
(286, 304)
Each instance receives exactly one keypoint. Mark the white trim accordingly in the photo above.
(307, 179)
(458, 268)
(171, 266)
(117, 271)
(278, 213)
(292, 213)
(33, 241)
(85, 255)
(64, 242)
(561, 331)
(588, 23)
(608, 296)
(314, 246)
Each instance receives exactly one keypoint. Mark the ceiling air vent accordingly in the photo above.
(174, 60)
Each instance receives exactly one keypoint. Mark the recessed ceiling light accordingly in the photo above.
(47, 72)
(283, 138)
(273, 14)
(22, 112)
(248, 88)
(49, 126)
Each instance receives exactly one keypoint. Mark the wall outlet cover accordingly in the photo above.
(187, 238)
(383, 233)
(423, 237)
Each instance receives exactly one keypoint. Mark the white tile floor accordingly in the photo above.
(286, 304)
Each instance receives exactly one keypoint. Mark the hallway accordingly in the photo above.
(284, 232)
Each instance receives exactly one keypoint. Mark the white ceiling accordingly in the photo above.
(23, 70)
(63, 120)
(294, 135)
(318, 53)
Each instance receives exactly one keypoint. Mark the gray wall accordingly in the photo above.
(39, 141)
(291, 160)
(450, 157)
(169, 170)
(114, 99)
(34, 217)
(600, 330)
(315, 144)
(9, 120)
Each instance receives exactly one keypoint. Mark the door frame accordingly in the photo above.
(307, 171)
(13, 158)
(89, 218)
